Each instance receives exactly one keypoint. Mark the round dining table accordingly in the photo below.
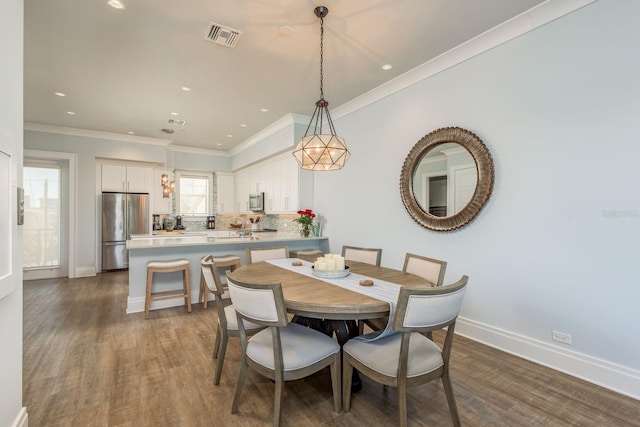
(326, 307)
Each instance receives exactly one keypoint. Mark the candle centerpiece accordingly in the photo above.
(330, 266)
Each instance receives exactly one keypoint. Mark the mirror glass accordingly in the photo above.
(446, 179)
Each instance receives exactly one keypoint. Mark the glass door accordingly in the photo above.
(43, 241)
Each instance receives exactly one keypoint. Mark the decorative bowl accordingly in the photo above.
(330, 274)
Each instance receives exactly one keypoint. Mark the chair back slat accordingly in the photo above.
(264, 254)
(428, 268)
(211, 276)
(260, 303)
(422, 310)
(367, 255)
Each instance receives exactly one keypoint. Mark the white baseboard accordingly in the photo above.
(136, 305)
(597, 371)
(22, 420)
(85, 271)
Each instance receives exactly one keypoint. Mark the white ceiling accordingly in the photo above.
(122, 70)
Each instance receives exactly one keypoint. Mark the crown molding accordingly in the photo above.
(278, 125)
(194, 150)
(527, 21)
(38, 127)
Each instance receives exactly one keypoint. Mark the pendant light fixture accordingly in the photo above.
(320, 151)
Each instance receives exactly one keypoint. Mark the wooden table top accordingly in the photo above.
(311, 297)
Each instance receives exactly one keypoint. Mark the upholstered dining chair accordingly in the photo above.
(264, 254)
(409, 358)
(227, 319)
(283, 351)
(428, 268)
(367, 255)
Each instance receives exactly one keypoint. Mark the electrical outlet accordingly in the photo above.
(561, 337)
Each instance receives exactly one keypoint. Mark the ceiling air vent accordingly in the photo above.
(220, 34)
(177, 122)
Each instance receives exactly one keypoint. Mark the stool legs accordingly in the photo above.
(169, 267)
(187, 288)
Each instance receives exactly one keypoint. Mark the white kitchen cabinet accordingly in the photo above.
(126, 178)
(287, 188)
(241, 182)
(225, 193)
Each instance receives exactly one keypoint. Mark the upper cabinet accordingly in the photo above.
(286, 187)
(225, 193)
(126, 178)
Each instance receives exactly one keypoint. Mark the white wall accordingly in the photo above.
(556, 246)
(11, 29)
(88, 149)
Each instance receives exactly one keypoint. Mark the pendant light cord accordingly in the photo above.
(321, 56)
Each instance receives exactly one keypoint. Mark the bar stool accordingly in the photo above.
(306, 254)
(227, 261)
(168, 266)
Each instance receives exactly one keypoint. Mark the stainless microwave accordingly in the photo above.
(256, 202)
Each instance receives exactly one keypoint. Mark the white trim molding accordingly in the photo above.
(22, 420)
(85, 271)
(609, 375)
(37, 127)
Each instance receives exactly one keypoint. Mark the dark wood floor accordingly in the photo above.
(87, 363)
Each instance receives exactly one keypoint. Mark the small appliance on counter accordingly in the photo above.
(211, 222)
(179, 225)
(157, 222)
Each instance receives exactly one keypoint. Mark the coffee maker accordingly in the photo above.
(211, 222)
(179, 225)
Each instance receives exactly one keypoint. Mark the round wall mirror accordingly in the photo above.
(446, 179)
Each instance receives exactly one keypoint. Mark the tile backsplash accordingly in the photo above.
(280, 222)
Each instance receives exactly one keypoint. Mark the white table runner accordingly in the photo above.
(382, 290)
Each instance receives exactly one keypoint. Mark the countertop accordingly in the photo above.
(210, 237)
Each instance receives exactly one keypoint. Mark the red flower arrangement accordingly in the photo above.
(305, 219)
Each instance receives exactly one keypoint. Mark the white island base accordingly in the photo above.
(193, 248)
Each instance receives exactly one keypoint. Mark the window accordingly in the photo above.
(194, 193)
(41, 231)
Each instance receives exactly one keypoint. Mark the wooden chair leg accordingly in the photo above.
(347, 373)
(402, 405)
(336, 385)
(216, 346)
(451, 400)
(277, 406)
(220, 362)
(241, 377)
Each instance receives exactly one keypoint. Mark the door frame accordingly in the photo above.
(71, 158)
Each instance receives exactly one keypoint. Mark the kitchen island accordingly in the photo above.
(193, 246)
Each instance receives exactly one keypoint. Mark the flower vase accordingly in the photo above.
(305, 230)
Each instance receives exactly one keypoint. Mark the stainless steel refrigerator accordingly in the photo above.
(123, 214)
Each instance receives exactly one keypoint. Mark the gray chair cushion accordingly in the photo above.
(383, 355)
(301, 347)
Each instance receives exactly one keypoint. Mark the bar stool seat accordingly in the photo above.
(227, 261)
(306, 254)
(168, 266)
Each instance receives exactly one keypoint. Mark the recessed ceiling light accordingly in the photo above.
(71, 113)
(186, 89)
(131, 133)
(242, 125)
(219, 144)
(264, 110)
(116, 4)
(229, 136)
(285, 30)
(60, 94)
(173, 113)
(387, 67)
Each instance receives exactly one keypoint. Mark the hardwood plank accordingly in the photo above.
(88, 363)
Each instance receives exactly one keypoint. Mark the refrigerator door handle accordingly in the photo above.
(114, 243)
